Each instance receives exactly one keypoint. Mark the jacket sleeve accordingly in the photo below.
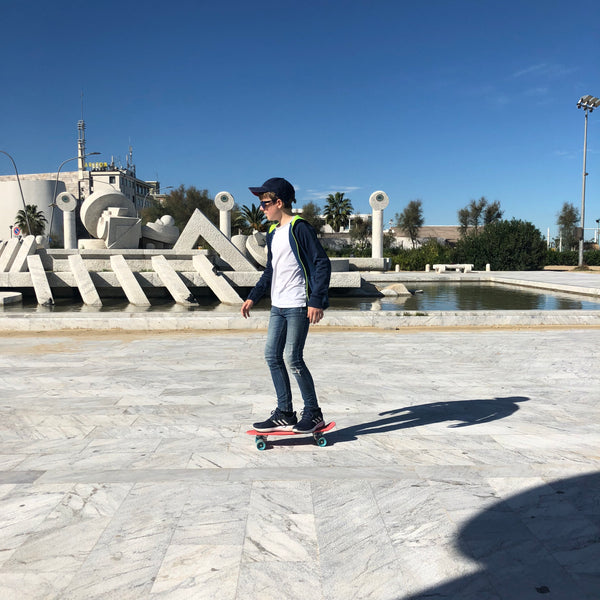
(318, 264)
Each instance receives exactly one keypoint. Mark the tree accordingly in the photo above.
(252, 219)
(506, 245)
(181, 204)
(337, 211)
(492, 213)
(360, 232)
(311, 212)
(36, 218)
(567, 220)
(478, 213)
(410, 220)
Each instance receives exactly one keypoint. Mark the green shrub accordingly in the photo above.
(506, 245)
(567, 257)
(570, 258)
(415, 259)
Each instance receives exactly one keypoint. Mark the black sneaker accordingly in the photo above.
(278, 421)
(311, 421)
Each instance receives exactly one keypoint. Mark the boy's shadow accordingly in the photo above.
(466, 412)
(543, 540)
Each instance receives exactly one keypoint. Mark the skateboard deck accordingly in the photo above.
(261, 436)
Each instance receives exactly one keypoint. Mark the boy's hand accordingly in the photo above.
(314, 315)
(246, 308)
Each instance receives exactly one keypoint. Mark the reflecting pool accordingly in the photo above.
(428, 296)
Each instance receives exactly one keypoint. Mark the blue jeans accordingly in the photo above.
(288, 328)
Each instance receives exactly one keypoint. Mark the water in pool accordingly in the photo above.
(439, 296)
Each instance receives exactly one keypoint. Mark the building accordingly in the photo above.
(41, 189)
(105, 176)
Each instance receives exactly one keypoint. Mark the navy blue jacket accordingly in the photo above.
(312, 259)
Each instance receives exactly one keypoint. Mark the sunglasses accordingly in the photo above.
(265, 203)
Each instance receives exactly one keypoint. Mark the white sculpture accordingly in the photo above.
(68, 203)
(224, 202)
(378, 201)
(163, 230)
(111, 217)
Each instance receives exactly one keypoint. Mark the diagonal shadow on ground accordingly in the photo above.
(544, 540)
(459, 413)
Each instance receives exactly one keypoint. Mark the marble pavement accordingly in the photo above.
(465, 465)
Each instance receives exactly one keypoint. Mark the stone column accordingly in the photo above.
(67, 203)
(224, 202)
(378, 201)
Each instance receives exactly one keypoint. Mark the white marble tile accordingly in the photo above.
(32, 586)
(128, 554)
(271, 580)
(198, 571)
(22, 513)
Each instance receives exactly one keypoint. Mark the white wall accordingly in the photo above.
(38, 192)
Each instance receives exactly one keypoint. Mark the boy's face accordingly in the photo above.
(271, 208)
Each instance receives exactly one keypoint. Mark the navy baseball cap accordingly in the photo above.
(282, 188)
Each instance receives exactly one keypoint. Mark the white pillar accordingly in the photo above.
(224, 202)
(377, 244)
(69, 230)
(378, 201)
(67, 203)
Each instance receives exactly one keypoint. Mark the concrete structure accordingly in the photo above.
(38, 192)
(172, 281)
(378, 201)
(200, 226)
(9, 253)
(133, 290)
(224, 202)
(256, 245)
(43, 293)
(442, 268)
(67, 203)
(7, 298)
(216, 281)
(84, 282)
(27, 247)
(160, 234)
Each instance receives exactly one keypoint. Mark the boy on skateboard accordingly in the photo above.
(297, 275)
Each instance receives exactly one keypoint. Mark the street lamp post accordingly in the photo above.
(20, 189)
(53, 204)
(588, 103)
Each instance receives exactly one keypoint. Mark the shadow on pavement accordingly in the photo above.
(461, 413)
(544, 541)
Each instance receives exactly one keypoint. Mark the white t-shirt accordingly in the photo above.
(288, 286)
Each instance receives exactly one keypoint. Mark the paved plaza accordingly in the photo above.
(465, 465)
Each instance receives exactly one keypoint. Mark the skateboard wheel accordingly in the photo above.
(321, 441)
(261, 444)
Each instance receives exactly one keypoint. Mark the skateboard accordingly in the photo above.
(261, 436)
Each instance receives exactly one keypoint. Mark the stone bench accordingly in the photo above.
(458, 268)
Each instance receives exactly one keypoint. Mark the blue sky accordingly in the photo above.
(443, 101)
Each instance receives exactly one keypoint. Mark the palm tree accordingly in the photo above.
(253, 218)
(337, 211)
(34, 219)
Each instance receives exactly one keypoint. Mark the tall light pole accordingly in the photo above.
(588, 103)
(20, 189)
(64, 162)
